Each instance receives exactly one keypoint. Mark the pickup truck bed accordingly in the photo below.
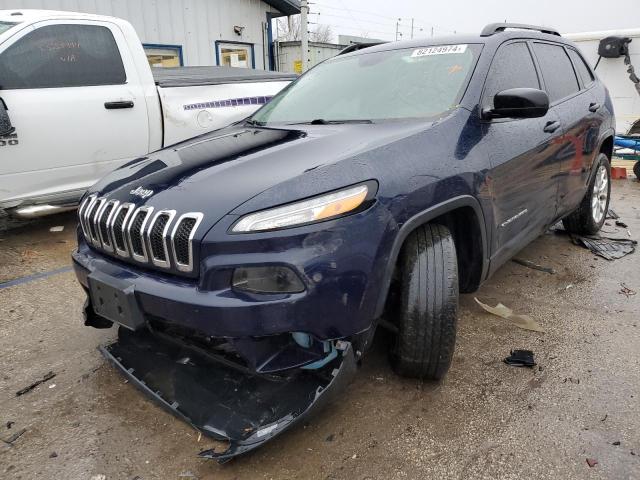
(193, 76)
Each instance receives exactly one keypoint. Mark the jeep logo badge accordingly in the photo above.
(141, 192)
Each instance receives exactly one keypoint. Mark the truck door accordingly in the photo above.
(523, 154)
(77, 105)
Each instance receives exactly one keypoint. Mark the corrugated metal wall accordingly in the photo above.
(193, 24)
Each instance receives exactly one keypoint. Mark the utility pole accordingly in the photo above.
(431, 32)
(397, 28)
(412, 29)
(304, 34)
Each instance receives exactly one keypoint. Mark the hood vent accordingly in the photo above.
(140, 233)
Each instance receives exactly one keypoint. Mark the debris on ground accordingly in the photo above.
(9, 441)
(27, 389)
(608, 248)
(621, 224)
(187, 474)
(520, 358)
(612, 214)
(329, 438)
(626, 291)
(571, 380)
(592, 462)
(53, 455)
(605, 417)
(534, 266)
(522, 321)
(616, 443)
(9, 424)
(58, 228)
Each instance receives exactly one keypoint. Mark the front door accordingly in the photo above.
(76, 103)
(523, 156)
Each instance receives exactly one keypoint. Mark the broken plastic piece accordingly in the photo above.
(522, 321)
(227, 403)
(534, 266)
(44, 379)
(520, 358)
(609, 248)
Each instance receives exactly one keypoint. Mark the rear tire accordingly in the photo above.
(636, 170)
(426, 335)
(590, 215)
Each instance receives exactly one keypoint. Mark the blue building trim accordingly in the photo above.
(270, 52)
(173, 47)
(231, 42)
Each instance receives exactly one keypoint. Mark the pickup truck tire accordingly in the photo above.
(587, 219)
(636, 170)
(428, 304)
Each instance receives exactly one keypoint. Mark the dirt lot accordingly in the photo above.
(486, 420)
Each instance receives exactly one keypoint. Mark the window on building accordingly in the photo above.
(163, 55)
(235, 54)
(62, 56)
(559, 78)
(512, 67)
(581, 67)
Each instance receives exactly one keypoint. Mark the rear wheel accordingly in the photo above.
(428, 304)
(636, 170)
(590, 215)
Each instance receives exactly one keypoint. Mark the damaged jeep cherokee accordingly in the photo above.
(249, 268)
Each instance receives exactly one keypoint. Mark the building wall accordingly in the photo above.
(290, 54)
(193, 24)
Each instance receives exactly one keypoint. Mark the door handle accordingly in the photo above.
(118, 105)
(551, 126)
(594, 107)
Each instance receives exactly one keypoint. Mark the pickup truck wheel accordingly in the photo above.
(428, 304)
(636, 170)
(589, 217)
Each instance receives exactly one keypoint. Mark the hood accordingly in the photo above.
(216, 173)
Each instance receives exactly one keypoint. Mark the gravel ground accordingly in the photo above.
(485, 420)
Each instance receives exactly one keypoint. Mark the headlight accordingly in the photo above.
(308, 211)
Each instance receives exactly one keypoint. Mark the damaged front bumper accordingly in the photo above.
(226, 403)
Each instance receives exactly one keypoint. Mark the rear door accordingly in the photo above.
(76, 103)
(523, 155)
(571, 98)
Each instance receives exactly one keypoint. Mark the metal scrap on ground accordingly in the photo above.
(520, 358)
(28, 388)
(522, 321)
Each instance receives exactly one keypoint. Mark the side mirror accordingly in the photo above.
(5, 122)
(519, 103)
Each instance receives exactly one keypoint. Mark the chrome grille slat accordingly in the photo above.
(95, 218)
(118, 229)
(135, 233)
(103, 224)
(157, 235)
(177, 240)
(84, 219)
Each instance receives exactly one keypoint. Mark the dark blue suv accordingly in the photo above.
(249, 268)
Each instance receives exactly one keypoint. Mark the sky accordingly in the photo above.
(378, 18)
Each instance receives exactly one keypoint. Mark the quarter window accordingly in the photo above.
(62, 56)
(559, 77)
(512, 67)
(581, 67)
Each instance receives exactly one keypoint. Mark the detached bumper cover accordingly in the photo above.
(225, 403)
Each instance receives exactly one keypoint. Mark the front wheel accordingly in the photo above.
(428, 313)
(590, 215)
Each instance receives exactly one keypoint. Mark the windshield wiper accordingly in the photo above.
(255, 122)
(322, 121)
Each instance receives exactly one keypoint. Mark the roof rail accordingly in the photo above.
(494, 28)
(358, 46)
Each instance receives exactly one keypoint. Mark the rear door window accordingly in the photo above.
(581, 67)
(512, 67)
(559, 77)
(65, 55)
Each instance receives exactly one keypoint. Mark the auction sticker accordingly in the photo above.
(439, 50)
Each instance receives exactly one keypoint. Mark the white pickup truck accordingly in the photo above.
(78, 98)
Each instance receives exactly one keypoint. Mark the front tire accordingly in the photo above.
(426, 335)
(590, 215)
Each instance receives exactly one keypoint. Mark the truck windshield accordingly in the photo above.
(392, 84)
(4, 26)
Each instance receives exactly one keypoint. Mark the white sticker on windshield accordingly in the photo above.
(439, 50)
